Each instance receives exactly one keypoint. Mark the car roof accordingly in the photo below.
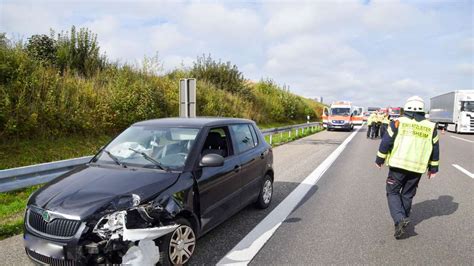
(196, 122)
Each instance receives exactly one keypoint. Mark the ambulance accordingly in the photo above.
(340, 115)
(358, 116)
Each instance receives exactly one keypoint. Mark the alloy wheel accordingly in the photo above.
(267, 191)
(182, 244)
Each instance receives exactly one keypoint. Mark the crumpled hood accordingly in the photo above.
(87, 189)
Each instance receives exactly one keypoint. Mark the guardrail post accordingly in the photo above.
(271, 139)
(289, 134)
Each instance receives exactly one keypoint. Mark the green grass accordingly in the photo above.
(12, 208)
(16, 153)
(278, 124)
(284, 137)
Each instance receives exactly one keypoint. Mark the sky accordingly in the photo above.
(373, 53)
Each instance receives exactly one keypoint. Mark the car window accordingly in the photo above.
(243, 137)
(254, 135)
(218, 142)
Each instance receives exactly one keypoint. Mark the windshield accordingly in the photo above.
(163, 148)
(341, 111)
(467, 106)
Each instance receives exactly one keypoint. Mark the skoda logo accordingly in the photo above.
(46, 216)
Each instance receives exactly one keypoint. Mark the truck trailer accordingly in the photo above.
(454, 111)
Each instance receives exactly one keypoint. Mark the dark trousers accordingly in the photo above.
(401, 188)
(383, 129)
(369, 129)
(375, 130)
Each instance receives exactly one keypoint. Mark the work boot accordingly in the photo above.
(400, 228)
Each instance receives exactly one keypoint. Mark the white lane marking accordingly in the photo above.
(251, 244)
(462, 139)
(471, 175)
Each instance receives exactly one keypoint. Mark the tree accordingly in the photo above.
(42, 47)
(224, 76)
(3, 40)
(79, 51)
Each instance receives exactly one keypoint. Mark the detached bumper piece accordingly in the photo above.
(48, 260)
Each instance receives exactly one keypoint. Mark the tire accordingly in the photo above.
(266, 193)
(170, 245)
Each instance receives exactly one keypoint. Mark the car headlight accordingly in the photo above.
(111, 225)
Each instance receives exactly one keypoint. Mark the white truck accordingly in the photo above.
(454, 111)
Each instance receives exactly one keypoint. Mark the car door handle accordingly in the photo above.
(237, 168)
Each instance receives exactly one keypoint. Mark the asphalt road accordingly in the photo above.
(344, 219)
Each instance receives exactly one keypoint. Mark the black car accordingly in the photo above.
(150, 193)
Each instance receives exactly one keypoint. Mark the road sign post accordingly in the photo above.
(187, 97)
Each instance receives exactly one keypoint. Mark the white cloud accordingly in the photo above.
(166, 36)
(288, 18)
(389, 16)
(215, 21)
(25, 19)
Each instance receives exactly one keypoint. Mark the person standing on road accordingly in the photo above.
(376, 128)
(370, 125)
(410, 147)
(385, 122)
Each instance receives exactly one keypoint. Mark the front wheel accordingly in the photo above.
(266, 193)
(177, 247)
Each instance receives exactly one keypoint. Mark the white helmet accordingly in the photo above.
(415, 104)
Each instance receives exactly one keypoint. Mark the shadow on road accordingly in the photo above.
(215, 245)
(442, 206)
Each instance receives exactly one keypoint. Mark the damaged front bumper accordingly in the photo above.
(93, 246)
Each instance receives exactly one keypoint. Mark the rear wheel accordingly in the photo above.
(266, 193)
(177, 247)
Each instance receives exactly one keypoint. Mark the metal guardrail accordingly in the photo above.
(21, 177)
(272, 131)
(15, 178)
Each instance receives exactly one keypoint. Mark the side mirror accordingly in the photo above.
(212, 160)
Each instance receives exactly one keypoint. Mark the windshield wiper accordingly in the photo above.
(147, 157)
(116, 160)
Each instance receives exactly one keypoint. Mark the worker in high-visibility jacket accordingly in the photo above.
(409, 148)
(385, 122)
(378, 123)
(370, 124)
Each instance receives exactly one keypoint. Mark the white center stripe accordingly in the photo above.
(251, 244)
(462, 139)
(471, 175)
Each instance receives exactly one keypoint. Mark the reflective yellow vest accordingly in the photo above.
(371, 119)
(385, 120)
(412, 146)
(379, 118)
